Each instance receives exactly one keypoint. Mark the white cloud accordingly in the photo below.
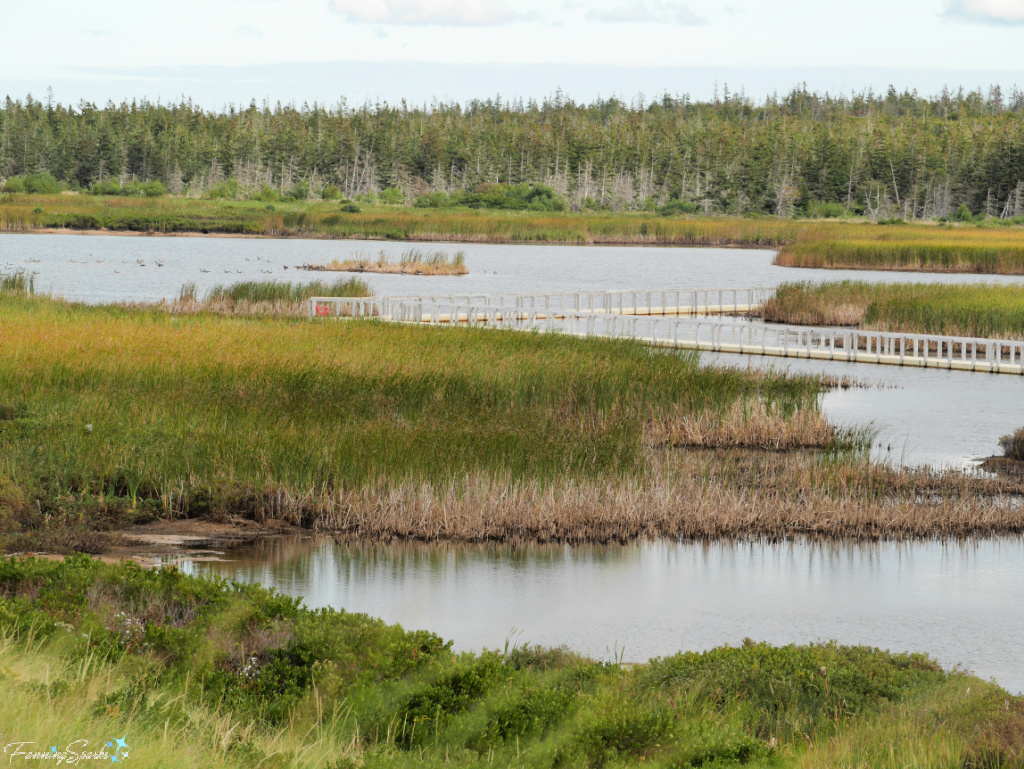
(249, 30)
(447, 13)
(641, 11)
(992, 11)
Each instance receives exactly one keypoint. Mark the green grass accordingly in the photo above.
(112, 406)
(950, 248)
(18, 283)
(196, 672)
(990, 311)
(274, 291)
(328, 220)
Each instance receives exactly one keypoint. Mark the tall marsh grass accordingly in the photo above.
(412, 262)
(272, 291)
(278, 409)
(907, 247)
(18, 283)
(991, 311)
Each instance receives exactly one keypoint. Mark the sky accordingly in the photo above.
(233, 51)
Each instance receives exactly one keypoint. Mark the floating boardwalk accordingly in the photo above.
(674, 319)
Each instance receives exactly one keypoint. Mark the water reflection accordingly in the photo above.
(958, 601)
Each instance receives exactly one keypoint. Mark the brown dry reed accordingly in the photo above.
(689, 495)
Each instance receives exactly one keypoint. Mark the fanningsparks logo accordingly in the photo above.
(77, 752)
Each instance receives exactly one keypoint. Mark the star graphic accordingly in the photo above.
(53, 748)
(114, 758)
(121, 743)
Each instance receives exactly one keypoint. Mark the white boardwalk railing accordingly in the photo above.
(633, 302)
(642, 316)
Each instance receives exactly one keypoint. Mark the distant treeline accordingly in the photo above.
(884, 155)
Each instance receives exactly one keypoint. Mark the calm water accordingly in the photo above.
(960, 603)
(104, 268)
(939, 418)
(950, 419)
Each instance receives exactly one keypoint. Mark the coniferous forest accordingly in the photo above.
(881, 155)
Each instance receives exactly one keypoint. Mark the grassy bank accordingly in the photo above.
(120, 412)
(327, 220)
(959, 310)
(193, 672)
(997, 250)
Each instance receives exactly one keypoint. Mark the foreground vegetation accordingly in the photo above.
(196, 672)
(990, 311)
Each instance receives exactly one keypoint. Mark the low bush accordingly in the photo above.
(1013, 445)
(33, 184)
(183, 661)
(516, 197)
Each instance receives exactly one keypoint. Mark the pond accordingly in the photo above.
(96, 268)
(960, 602)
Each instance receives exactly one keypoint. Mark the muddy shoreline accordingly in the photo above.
(164, 542)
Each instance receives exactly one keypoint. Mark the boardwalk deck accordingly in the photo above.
(647, 317)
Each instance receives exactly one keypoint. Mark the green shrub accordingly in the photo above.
(796, 688)
(962, 214)
(675, 207)
(1013, 445)
(516, 197)
(267, 194)
(107, 187)
(330, 192)
(226, 190)
(136, 189)
(433, 200)
(391, 196)
(826, 210)
(34, 184)
(299, 192)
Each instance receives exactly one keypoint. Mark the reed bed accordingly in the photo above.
(17, 283)
(908, 248)
(255, 291)
(989, 311)
(412, 262)
(161, 412)
(383, 431)
(687, 495)
(254, 298)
